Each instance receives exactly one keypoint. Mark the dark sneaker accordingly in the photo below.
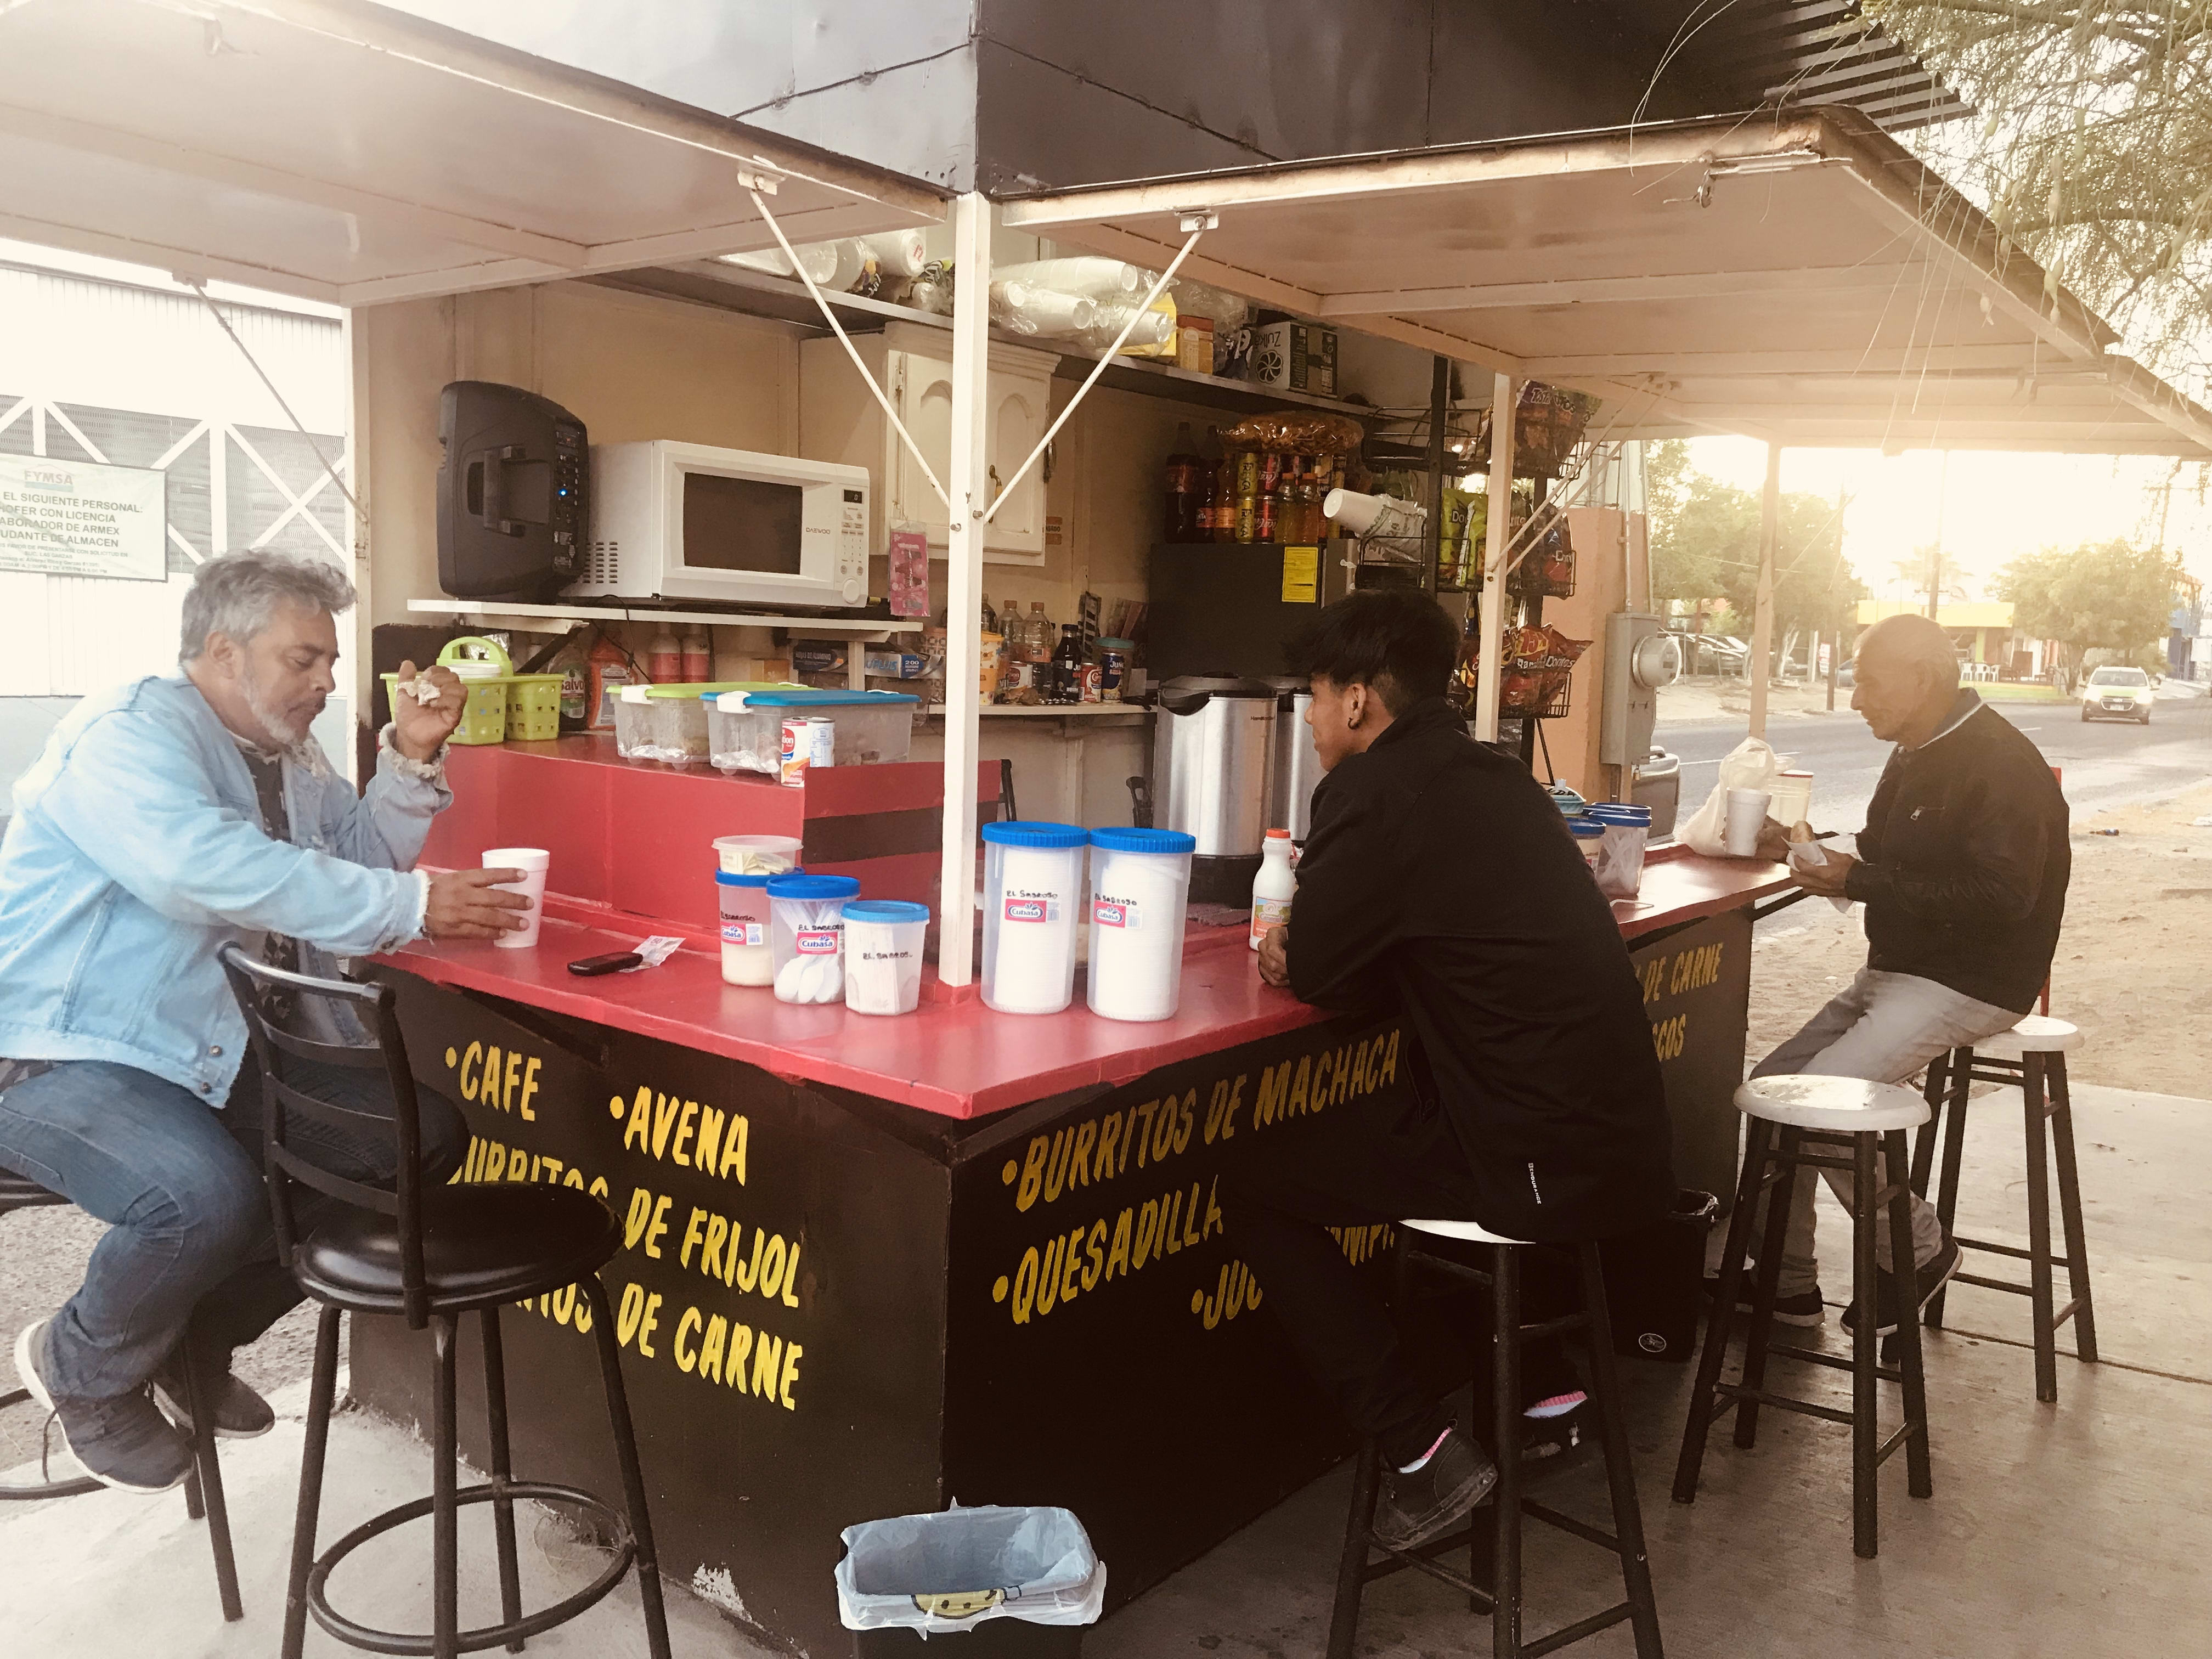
(123, 1442)
(1932, 1277)
(1557, 1432)
(1414, 1508)
(1804, 1309)
(240, 1413)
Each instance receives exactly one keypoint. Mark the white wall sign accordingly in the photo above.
(81, 518)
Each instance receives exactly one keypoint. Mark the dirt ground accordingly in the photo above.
(2134, 968)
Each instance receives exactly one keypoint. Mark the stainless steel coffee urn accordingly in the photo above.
(1298, 763)
(1213, 754)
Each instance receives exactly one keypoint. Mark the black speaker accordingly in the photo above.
(514, 493)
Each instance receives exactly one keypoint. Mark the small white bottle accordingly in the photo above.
(1272, 888)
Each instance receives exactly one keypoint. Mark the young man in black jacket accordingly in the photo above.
(1962, 868)
(1440, 883)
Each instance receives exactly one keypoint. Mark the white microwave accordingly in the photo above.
(689, 522)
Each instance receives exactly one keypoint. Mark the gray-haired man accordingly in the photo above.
(165, 819)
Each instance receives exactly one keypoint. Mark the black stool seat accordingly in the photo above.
(481, 1246)
(22, 1193)
(204, 1495)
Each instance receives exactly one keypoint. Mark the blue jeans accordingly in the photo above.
(180, 1186)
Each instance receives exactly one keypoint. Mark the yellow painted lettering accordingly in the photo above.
(472, 1056)
(638, 1131)
(494, 1167)
(709, 1143)
(791, 1277)
(1274, 1091)
(1055, 1166)
(1148, 1231)
(790, 1376)
(664, 1112)
(734, 1137)
(641, 1211)
(1078, 1165)
(1071, 1276)
(734, 1362)
(687, 1359)
(1389, 1063)
(1294, 1102)
(710, 1348)
(529, 1088)
(1032, 1181)
(1109, 1132)
(748, 1275)
(694, 1232)
(1095, 1252)
(683, 1127)
(1026, 1284)
(1143, 1132)
(657, 1225)
(627, 1316)
(1117, 1255)
(648, 1324)
(768, 1360)
(771, 1267)
(710, 1253)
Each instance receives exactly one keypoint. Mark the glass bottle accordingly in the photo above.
(1225, 498)
(1042, 634)
(990, 617)
(1067, 666)
(1182, 470)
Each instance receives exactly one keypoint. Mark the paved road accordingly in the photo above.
(2106, 763)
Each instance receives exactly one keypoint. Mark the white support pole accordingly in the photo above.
(1762, 616)
(1498, 534)
(970, 494)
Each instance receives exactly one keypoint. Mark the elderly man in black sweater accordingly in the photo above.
(1440, 883)
(1962, 868)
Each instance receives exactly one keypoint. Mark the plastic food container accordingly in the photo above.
(747, 957)
(1620, 855)
(806, 932)
(487, 670)
(745, 728)
(634, 734)
(1139, 889)
(883, 955)
(1589, 838)
(1792, 801)
(1032, 887)
(756, 855)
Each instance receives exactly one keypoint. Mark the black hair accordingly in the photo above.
(1397, 641)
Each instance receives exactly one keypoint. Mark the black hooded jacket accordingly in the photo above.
(1440, 882)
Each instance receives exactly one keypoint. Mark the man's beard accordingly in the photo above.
(290, 735)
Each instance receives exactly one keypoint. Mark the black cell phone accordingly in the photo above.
(590, 967)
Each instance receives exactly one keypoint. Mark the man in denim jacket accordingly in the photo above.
(165, 819)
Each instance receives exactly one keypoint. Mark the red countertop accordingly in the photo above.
(953, 1055)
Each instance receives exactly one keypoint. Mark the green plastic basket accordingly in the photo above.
(533, 707)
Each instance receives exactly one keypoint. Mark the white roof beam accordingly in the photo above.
(1986, 362)
(1614, 290)
(163, 256)
(160, 155)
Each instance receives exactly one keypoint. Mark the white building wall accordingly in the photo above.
(96, 367)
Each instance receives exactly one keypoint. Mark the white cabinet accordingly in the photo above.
(838, 420)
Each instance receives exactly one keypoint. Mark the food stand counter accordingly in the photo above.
(875, 1265)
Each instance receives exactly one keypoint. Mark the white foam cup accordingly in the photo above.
(532, 862)
(1746, 816)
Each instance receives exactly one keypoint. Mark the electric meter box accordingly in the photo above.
(1640, 657)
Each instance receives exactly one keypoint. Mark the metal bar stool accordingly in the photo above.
(1501, 1599)
(204, 1495)
(1839, 1111)
(2031, 1058)
(430, 1254)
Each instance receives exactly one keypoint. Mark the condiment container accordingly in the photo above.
(1032, 887)
(633, 733)
(1140, 888)
(1793, 800)
(806, 932)
(1589, 839)
(883, 955)
(747, 957)
(1272, 888)
(1620, 855)
(745, 728)
(756, 855)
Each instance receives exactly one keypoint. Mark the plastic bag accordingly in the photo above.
(954, 1570)
(1752, 764)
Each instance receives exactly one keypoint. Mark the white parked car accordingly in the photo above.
(2121, 694)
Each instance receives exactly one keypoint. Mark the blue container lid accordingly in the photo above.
(830, 700)
(1025, 832)
(795, 884)
(885, 910)
(730, 878)
(1585, 829)
(1617, 813)
(1166, 842)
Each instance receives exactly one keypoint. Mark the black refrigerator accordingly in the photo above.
(1230, 607)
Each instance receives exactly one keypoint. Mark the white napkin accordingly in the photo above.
(1810, 855)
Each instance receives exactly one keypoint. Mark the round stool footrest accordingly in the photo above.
(487, 1636)
(76, 1485)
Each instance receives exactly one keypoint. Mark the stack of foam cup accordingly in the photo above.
(1747, 817)
(532, 862)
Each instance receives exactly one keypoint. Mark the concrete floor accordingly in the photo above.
(2073, 1529)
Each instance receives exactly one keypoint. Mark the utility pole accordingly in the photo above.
(1762, 631)
(1935, 563)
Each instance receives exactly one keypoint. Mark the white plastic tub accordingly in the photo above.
(1032, 891)
(806, 932)
(883, 941)
(745, 728)
(1139, 889)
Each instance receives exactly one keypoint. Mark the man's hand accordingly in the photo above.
(1827, 879)
(469, 904)
(1774, 842)
(417, 728)
(1275, 957)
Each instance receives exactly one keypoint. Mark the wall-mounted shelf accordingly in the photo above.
(1073, 711)
(732, 288)
(514, 613)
